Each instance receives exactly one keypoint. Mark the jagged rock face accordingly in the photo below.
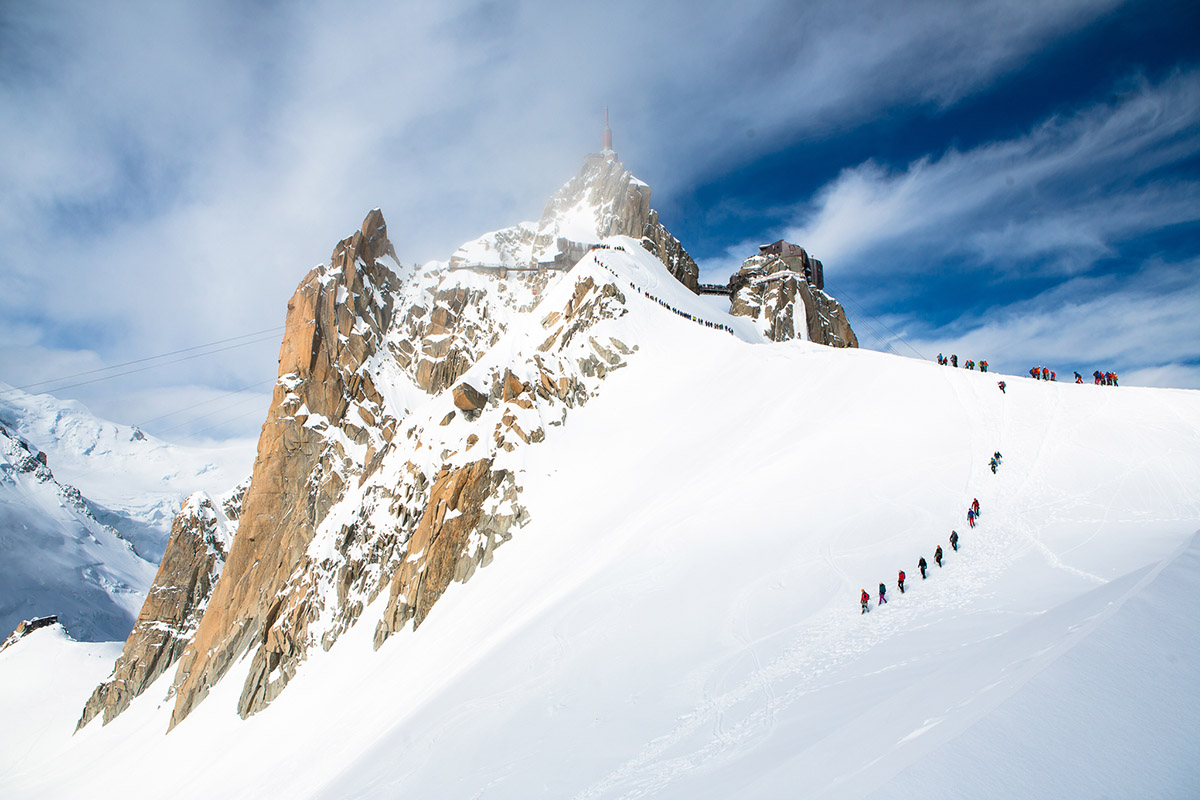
(621, 205)
(196, 551)
(470, 512)
(446, 326)
(769, 290)
(427, 517)
(316, 439)
(659, 241)
(354, 493)
(604, 199)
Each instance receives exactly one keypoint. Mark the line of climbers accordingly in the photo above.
(699, 321)
(1043, 373)
(972, 518)
(1101, 378)
(1037, 373)
(952, 361)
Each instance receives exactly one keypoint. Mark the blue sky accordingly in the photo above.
(1016, 181)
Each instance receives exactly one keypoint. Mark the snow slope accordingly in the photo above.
(43, 676)
(680, 617)
(132, 481)
(56, 557)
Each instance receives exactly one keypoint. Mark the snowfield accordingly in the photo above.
(680, 618)
(133, 481)
(82, 532)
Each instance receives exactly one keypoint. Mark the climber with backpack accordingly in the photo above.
(866, 598)
(901, 583)
(882, 594)
(921, 565)
(954, 540)
(937, 556)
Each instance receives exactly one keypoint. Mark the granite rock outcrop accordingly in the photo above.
(315, 441)
(389, 465)
(785, 305)
(200, 538)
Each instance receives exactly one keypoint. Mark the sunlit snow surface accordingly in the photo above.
(680, 619)
(133, 481)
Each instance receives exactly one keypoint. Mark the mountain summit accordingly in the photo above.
(391, 461)
(604, 199)
(666, 518)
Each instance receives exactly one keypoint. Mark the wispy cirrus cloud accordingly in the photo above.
(1144, 325)
(171, 170)
(1056, 199)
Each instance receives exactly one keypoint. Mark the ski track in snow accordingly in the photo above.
(822, 649)
(493, 696)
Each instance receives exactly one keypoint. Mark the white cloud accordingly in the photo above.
(172, 169)
(1145, 326)
(1057, 198)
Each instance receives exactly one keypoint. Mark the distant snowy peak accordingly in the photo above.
(65, 428)
(133, 481)
(58, 557)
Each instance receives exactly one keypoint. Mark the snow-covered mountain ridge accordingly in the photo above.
(133, 481)
(56, 557)
(679, 616)
(375, 495)
(676, 523)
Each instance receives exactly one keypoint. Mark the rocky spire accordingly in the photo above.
(306, 452)
(605, 199)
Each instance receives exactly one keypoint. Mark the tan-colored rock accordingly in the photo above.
(441, 544)
(771, 290)
(335, 321)
(191, 564)
(512, 387)
(468, 398)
